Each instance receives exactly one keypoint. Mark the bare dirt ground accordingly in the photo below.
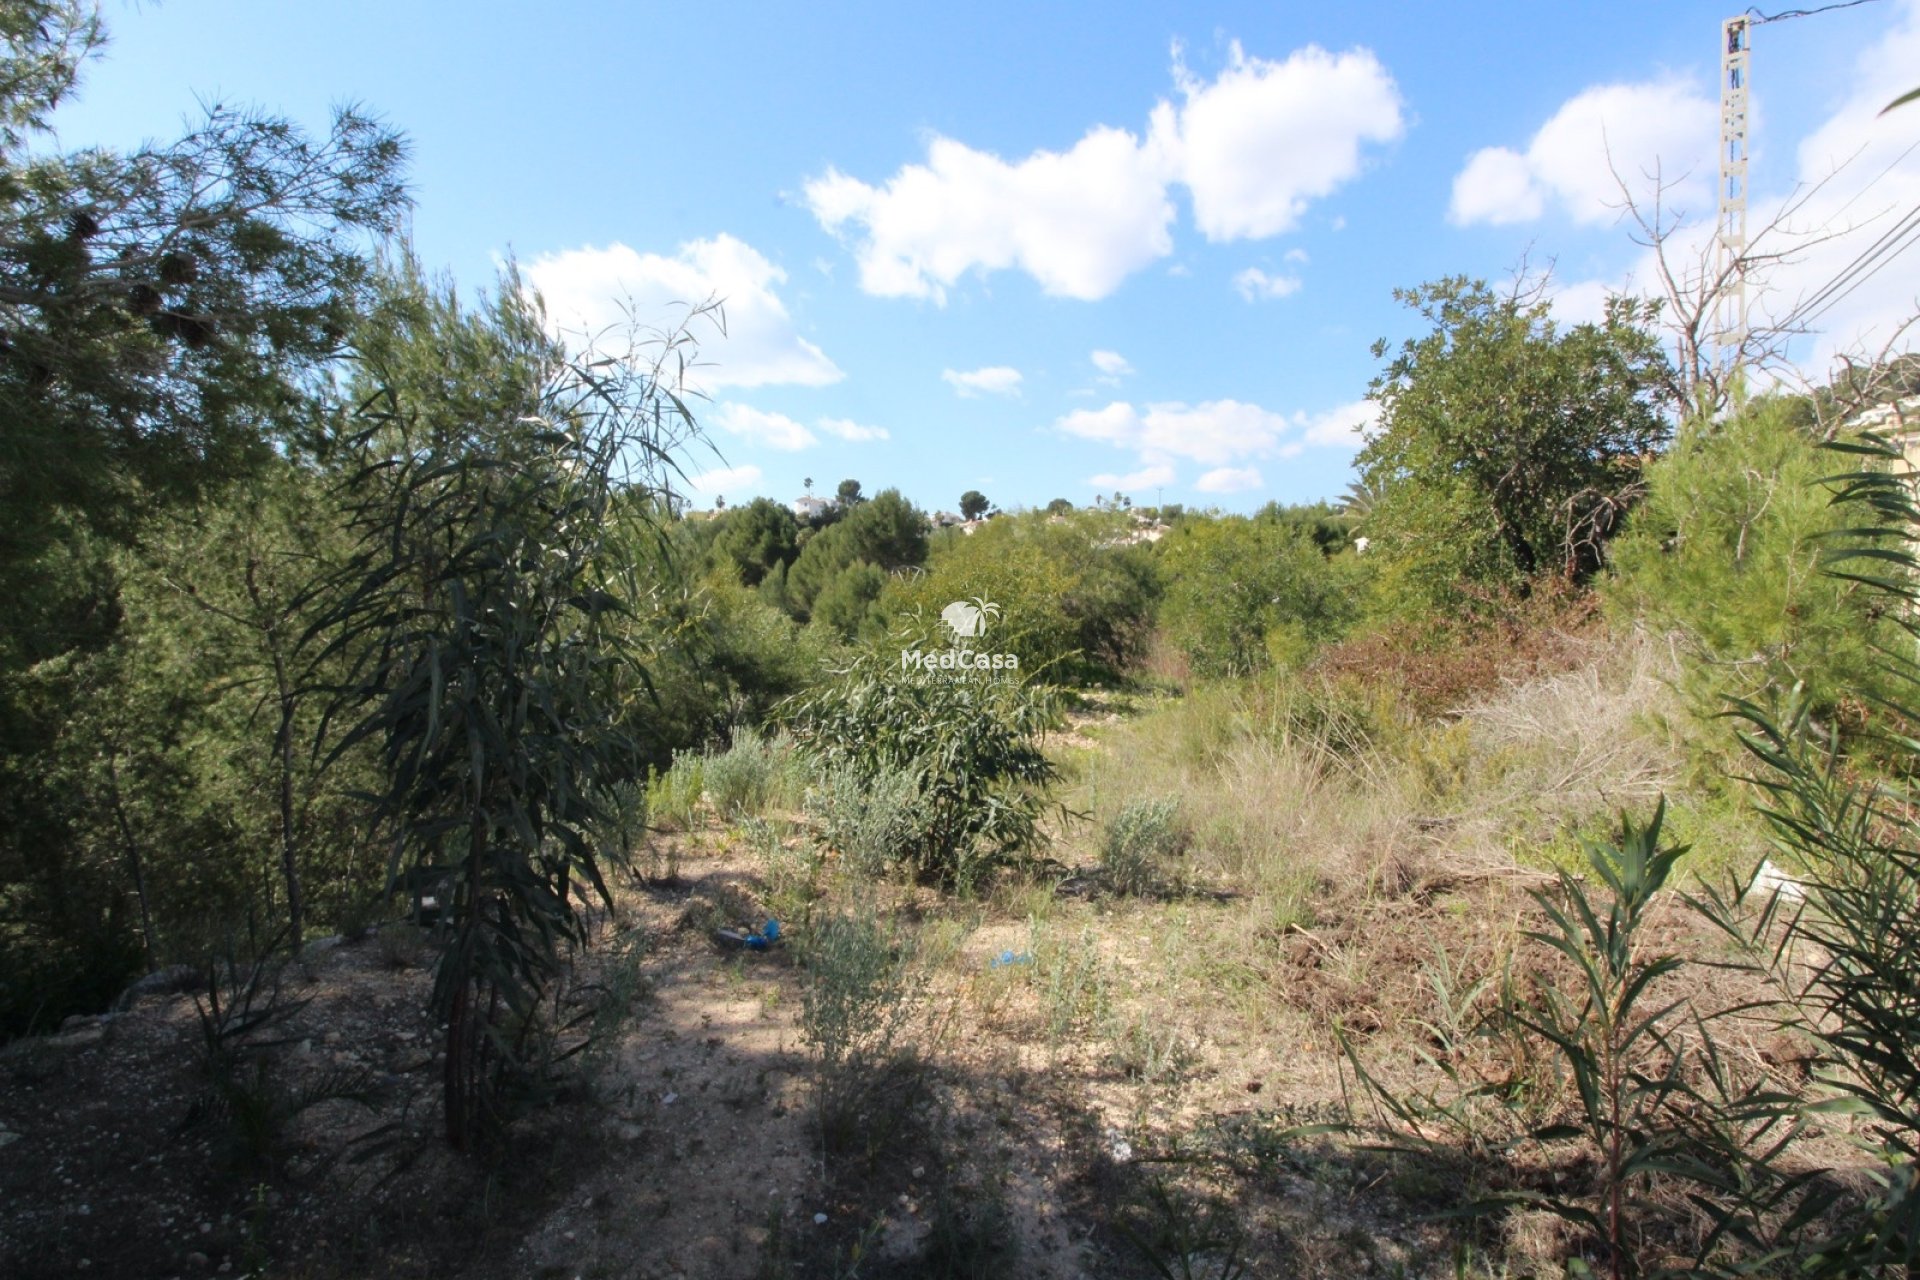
(1016, 1141)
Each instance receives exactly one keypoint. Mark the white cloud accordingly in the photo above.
(847, 429)
(1079, 222)
(1111, 363)
(774, 430)
(997, 380)
(1253, 284)
(724, 479)
(591, 291)
(1223, 436)
(1265, 138)
(1497, 187)
(1229, 480)
(1145, 478)
(1212, 434)
(1341, 427)
(1297, 255)
(1664, 127)
(1254, 147)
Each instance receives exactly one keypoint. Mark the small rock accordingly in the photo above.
(197, 1259)
(8, 1135)
(819, 1219)
(670, 1099)
(919, 1171)
(320, 946)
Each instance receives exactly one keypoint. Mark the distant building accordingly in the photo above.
(808, 507)
(945, 520)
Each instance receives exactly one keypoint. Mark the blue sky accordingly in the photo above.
(1051, 251)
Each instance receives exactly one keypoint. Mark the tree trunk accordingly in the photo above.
(134, 861)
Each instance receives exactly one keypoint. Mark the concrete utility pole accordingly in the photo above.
(1730, 272)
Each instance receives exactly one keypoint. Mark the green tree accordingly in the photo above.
(846, 603)
(166, 319)
(848, 495)
(1506, 446)
(1726, 550)
(887, 532)
(1241, 593)
(484, 603)
(973, 504)
(1075, 601)
(163, 309)
(755, 538)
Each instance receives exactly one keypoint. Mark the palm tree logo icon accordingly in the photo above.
(968, 618)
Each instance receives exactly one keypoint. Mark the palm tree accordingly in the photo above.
(1362, 500)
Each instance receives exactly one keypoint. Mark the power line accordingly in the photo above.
(1759, 17)
(1869, 263)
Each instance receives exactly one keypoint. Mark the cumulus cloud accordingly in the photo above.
(1667, 127)
(996, 380)
(1111, 363)
(1145, 478)
(591, 291)
(1254, 285)
(774, 430)
(1254, 146)
(1212, 434)
(1265, 138)
(1223, 436)
(1079, 222)
(1343, 427)
(847, 429)
(1229, 480)
(722, 480)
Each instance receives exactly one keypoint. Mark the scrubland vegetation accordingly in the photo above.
(1507, 870)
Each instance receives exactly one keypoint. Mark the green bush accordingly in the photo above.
(752, 774)
(1075, 601)
(969, 739)
(872, 820)
(863, 980)
(1726, 549)
(1244, 594)
(1140, 843)
(674, 794)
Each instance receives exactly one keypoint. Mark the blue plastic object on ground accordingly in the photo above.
(1006, 958)
(764, 937)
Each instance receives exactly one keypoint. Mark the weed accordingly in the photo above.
(871, 820)
(863, 980)
(675, 796)
(752, 774)
(1184, 1236)
(1605, 1021)
(1073, 992)
(1149, 1054)
(1140, 844)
